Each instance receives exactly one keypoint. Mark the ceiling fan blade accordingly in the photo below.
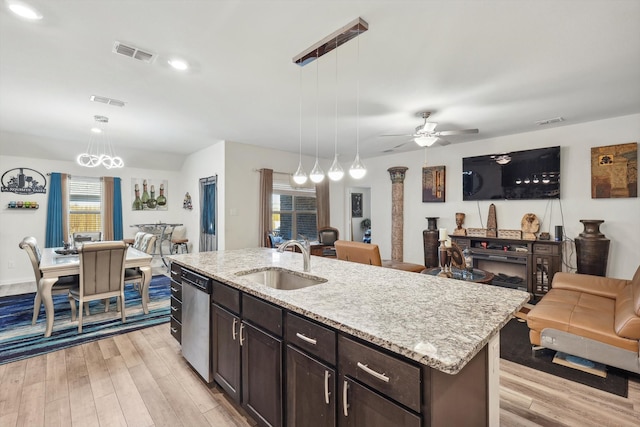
(456, 132)
(398, 135)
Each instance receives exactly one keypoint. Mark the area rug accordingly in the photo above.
(515, 347)
(19, 339)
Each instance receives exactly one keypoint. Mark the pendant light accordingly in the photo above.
(317, 174)
(300, 176)
(357, 170)
(336, 172)
(99, 151)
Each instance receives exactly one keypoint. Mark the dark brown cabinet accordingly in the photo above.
(226, 350)
(363, 407)
(531, 264)
(247, 352)
(311, 374)
(176, 302)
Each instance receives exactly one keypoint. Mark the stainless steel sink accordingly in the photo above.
(281, 279)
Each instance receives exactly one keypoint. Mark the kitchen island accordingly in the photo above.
(448, 329)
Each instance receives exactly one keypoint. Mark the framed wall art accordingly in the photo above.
(356, 205)
(149, 194)
(614, 171)
(433, 184)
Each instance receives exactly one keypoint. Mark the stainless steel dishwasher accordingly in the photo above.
(196, 305)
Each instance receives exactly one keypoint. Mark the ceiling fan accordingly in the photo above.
(426, 134)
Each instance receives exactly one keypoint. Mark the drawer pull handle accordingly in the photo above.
(233, 329)
(174, 289)
(371, 372)
(174, 308)
(241, 333)
(345, 400)
(174, 330)
(327, 375)
(306, 339)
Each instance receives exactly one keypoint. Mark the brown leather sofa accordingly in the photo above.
(369, 253)
(597, 318)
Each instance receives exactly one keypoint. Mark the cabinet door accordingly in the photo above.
(261, 375)
(311, 393)
(226, 350)
(362, 407)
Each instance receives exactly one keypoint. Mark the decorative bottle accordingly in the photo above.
(145, 193)
(152, 202)
(161, 199)
(137, 202)
(592, 249)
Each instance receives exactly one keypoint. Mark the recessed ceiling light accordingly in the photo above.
(25, 11)
(178, 64)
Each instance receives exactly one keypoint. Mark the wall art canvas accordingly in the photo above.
(356, 205)
(23, 181)
(614, 171)
(149, 194)
(433, 184)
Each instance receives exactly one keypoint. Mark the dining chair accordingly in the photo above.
(327, 236)
(86, 236)
(144, 242)
(62, 286)
(101, 276)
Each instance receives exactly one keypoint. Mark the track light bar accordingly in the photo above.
(332, 41)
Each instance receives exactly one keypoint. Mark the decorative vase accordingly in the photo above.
(430, 241)
(592, 249)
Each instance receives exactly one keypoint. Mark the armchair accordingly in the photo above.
(327, 236)
(597, 318)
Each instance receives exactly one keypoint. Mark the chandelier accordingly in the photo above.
(99, 151)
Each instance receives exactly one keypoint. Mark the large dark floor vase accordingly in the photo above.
(592, 249)
(430, 240)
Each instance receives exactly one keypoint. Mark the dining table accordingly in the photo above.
(54, 265)
(164, 232)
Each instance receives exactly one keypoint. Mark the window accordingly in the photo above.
(85, 204)
(293, 211)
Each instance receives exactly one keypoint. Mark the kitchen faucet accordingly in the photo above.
(305, 248)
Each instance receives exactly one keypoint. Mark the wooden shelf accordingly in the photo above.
(24, 207)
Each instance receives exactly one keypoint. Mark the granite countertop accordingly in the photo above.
(438, 322)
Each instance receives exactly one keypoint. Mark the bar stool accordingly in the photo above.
(179, 243)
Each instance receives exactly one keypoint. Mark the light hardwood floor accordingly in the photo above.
(140, 379)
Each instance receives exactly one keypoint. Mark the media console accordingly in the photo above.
(529, 264)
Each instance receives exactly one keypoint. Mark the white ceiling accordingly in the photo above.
(498, 66)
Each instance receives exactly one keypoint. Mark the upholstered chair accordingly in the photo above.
(62, 286)
(144, 242)
(86, 236)
(327, 237)
(101, 276)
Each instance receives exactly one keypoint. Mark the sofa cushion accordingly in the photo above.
(627, 323)
(579, 313)
(635, 286)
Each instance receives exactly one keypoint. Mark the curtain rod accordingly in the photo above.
(280, 173)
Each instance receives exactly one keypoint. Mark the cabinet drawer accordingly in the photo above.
(176, 269)
(546, 249)
(393, 377)
(176, 330)
(316, 340)
(262, 314)
(226, 296)
(176, 309)
(176, 290)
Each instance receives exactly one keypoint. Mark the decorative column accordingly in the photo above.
(397, 175)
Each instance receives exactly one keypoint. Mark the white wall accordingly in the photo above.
(243, 190)
(620, 215)
(202, 164)
(15, 224)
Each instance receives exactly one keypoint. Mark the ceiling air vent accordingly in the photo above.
(550, 121)
(108, 101)
(133, 52)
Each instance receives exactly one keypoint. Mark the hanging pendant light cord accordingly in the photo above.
(300, 115)
(317, 100)
(336, 109)
(358, 96)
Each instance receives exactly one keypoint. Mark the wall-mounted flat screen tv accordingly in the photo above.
(528, 174)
